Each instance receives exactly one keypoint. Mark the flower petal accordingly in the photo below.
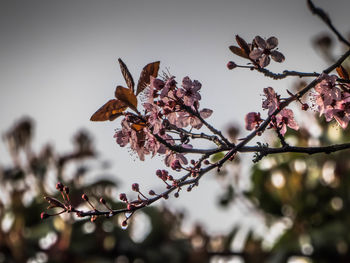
(277, 56)
(205, 113)
(260, 42)
(255, 54)
(264, 61)
(272, 42)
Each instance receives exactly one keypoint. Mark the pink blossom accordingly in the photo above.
(123, 136)
(153, 117)
(252, 120)
(171, 157)
(184, 119)
(327, 94)
(153, 145)
(286, 118)
(341, 111)
(189, 91)
(272, 100)
(264, 49)
(169, 87)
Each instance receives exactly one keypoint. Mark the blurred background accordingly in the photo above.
(59, 64)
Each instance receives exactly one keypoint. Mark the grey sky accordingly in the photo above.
(59, 64)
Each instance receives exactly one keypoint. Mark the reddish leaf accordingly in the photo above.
(238, 51)
(126, 74)
(149, 70)
(342, 72)
(127, 96)
(109, 111)
(243, 44)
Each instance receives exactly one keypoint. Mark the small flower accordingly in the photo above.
(286, 118)
(252, 120)
(327, 94)
(272, 100)
(171, 157)
(169, 87)
(154, 117)
(189, 91)
(263, 51)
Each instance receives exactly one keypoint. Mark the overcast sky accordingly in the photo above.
(59, 65)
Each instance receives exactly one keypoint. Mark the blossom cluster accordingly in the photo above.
(280, 121)
(169, 109)
(333, 99)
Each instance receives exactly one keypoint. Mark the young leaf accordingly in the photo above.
(238, 51)
(149, 70)
(126, 74)
(126, 96)
(342, 72)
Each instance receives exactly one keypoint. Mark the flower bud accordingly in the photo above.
(123, 197)
(59, 186)
(102, 201)
(44, 215)
(231, 65)
(124, 223)
(85, 197)
(305, 106)
(135, 187)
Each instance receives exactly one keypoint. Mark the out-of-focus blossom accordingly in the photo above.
(252, 120)
(272, 101)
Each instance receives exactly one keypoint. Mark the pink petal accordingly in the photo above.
(264, 61)
(205, 113)
(260, 42)
(255, 54)
(277, 56)
(272, 42)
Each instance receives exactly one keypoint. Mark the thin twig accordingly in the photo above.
(325, 18)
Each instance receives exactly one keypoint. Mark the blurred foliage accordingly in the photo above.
(153, 235)
(308, 195)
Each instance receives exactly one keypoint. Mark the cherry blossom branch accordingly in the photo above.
(282, 105)
(171, 108)
(288, 73)
(295, 149)
(325, 18)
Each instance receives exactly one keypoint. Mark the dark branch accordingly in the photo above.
(325, 18)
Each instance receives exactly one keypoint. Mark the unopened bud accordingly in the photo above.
(44, 215)
(59, 186)
(231, 65)
(102, 201)
(305, 106)
(85, 197)
(135, 187)
(123, 197)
